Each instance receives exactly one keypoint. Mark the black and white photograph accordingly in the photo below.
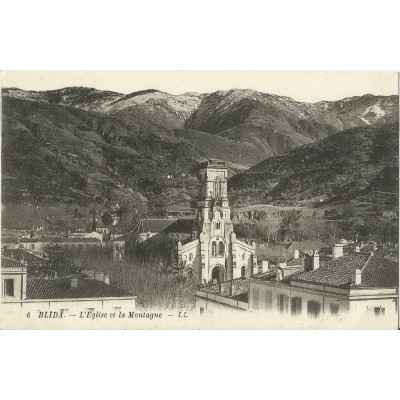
(199, 200)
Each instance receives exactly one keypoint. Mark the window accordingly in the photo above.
(334, 309)
(217, 187)
(296, 305)
(32, 247)
(214, 248)
(313, 309)
(201, 311)
(9, 287)
(283, 303)
(256, 298)
(268, 300)
(243, 256)
(190, 257)
(221, 248)
(217, 225)
(243, 271)
(379, 311)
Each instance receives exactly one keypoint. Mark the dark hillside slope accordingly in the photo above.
(343, 164)
(53, 153)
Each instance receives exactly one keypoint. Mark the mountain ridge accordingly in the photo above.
(100, 142)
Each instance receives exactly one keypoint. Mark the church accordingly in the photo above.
(213, 250)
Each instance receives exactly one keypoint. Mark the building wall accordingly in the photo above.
(18, 276)
(218, 306)
(263, 296)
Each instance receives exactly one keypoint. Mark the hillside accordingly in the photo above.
(343, 166)
(275, 124)
(83, 145)
(53, 153)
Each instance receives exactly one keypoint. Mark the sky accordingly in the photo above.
(302, 86)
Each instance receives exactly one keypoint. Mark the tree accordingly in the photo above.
(107, 219)
(60, 258)
(186, 276)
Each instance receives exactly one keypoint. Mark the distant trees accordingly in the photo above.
(107, 219)
(60, 258)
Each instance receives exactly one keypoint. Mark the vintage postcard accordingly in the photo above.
(199, 200)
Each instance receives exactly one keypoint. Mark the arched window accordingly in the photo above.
(243, 271)
(217, 187)
(243, 256)
(221, 248)
(190, 257)
(214, 249)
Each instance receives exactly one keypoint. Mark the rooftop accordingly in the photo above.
(10, 262)
(60, 288)
(375, 271)
(181, 225)
(213, 163)
(50, 239)
(19, 254)
(153, 225)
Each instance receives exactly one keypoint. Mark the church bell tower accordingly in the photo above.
(214, 220)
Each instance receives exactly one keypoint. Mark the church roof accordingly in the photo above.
(181, 225)
(153, 225)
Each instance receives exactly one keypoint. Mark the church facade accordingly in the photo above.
(213, 251)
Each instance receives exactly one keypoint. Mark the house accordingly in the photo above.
(355, 289)
(28, 258)
(358, 288)
(66, 296)
(38, 244)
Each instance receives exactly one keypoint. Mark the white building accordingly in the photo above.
(213, 250)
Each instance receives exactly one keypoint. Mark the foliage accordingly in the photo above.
(106, 219)
(60, 258)
(157, 286)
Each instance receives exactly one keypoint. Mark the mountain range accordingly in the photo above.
(83, 145)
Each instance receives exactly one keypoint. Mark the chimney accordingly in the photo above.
(255, 269)
(99, 276)
(74, 283)
(107, 279)
(303, 262)
(296, 254)
(315, 260)
(356, 277)
(278, 275)
(226, 288)
(265, 266)
(337, 251)
(357, 250)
